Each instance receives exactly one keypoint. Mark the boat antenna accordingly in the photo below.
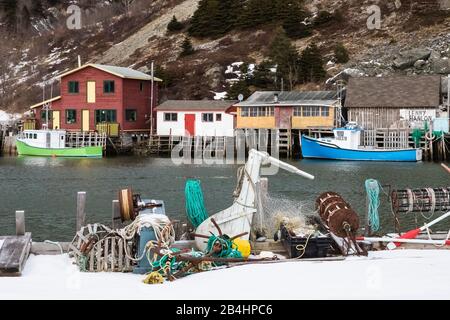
(340, 93)
(448, 95)
(44, 106)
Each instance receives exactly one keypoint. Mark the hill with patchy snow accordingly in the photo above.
(412, 38)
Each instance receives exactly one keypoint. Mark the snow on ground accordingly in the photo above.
(8, 117)
(403, 274)
(220, 95)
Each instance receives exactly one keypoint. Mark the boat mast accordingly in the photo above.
(47, 107)
(340, 93)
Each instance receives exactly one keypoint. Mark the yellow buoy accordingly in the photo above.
(243, 246)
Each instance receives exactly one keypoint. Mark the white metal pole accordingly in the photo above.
(448, 96)
(415, 241)
(151, 99)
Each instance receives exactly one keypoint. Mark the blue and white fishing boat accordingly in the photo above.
(346, 145)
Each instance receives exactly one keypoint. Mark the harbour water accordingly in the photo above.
(46, 188)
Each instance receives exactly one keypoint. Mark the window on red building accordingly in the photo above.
(131, 115)
(109, 116)
(74, 87)
(71, 116)
(108, 86)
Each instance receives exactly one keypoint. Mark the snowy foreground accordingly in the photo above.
(402, 274)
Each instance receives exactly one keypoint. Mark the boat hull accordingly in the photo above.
(24, 149)
(313, 148)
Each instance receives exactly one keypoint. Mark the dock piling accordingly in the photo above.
(20, 223)
(115, 213)
(81, 209)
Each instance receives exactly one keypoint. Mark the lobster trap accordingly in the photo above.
(97, 248)
(425, 200)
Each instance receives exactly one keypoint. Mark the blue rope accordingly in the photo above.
(373, 195)
(195, 206)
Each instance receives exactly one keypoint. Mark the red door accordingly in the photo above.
(284, 116)
(189, 124)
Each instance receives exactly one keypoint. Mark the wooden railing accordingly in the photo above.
(387, 138)
(85, 139)
(110, 129)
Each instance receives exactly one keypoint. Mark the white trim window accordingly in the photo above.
(207, 117)
(257, 112)
(311, 111)
(170, 117)
(325, 111)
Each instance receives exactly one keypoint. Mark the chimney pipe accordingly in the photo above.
(79, 61)
(275, 98)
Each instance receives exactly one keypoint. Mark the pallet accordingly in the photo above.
(14, 254)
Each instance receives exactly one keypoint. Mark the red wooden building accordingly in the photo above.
(95, 97)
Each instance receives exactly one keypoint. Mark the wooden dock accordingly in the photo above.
(14, 251)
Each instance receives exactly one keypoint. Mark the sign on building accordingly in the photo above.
(416, 117)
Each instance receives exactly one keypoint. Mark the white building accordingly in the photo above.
(196, 118)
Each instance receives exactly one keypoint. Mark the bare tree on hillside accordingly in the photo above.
(3, 74)
(127, 5)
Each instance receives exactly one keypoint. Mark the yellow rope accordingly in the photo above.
(154, 278)
(302, 247)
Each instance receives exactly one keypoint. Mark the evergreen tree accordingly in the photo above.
(187, 48)
(341, 53)
(214, 18)
(323, 17)
(164, 75)
(10, 11)
(36, 8)
(263, 77)
(257, 12)
(293, 22)
(285, 56)
(174, 25)
(240, 87)
(311, 63)
(25, 19)
(203, 18)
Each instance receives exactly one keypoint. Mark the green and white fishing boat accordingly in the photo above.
(60, 143)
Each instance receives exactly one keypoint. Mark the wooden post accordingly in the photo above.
(81, 209)
(115, 213)
(20, 223)
(261, 193)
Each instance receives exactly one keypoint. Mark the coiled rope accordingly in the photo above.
(226, 247)
(373, 196)
(195, 206)
(162, 227)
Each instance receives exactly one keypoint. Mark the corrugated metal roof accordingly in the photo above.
(399, 91)
(122, 72)
(219, 105)
(290, 98)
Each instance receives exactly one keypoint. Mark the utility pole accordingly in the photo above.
(448, 96)
(151, 99)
